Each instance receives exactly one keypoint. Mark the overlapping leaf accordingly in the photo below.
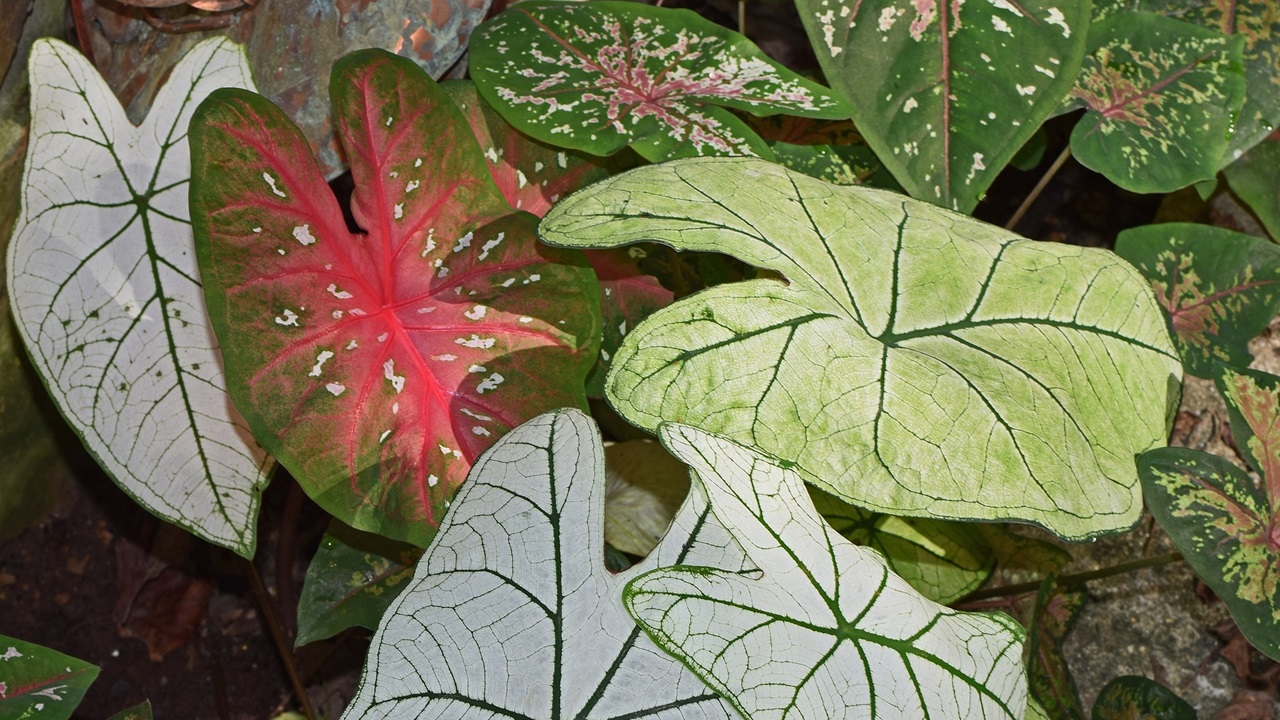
(827, 631)
(604, 75)
(915, 361)
(38, 682)
(1224, 523)
(107, 297)
(1133, 696)
(511, 613)
(1162, 95)
(644, 489)
(1049, 615)
(946, 92)
(1255, 179)
(1218, 288)
(378, 365)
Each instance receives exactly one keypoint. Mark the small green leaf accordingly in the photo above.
(141, 711)
(1162, 95)
(915, 361)
(1255, 179)
(1224, 523)
(350, 582)
(946, 92)
(1131, 696)
(1051, 615)
(604, 75)
(826, 630)
(36, 682)
(1218, 288)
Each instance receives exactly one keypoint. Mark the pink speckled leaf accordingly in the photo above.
(378, 365)
(603, 75)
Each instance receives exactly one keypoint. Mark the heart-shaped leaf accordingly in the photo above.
(946, 92)
(511, 613)
(1223, 523)
(827, 631)
(915, 362)
(604, 75)
(1133, 696)
(1218, 288)
(1162, 95)
(1255, 179)
(38, 682)
(377, 366)
(106, 294)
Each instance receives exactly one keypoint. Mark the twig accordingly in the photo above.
(742, 17)
(1075, 579)
(1039, 188)
(282, 647)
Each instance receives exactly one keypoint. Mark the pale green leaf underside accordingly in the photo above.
(917, 362)
(105, 291)
(512, 614)
(827, 631)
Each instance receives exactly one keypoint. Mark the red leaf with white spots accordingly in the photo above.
(378, 365)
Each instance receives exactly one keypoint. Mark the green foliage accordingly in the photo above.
(1131, 697)
(36, 681)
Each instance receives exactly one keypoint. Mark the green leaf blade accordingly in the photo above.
(107, 296)
(1018, 387)
(36, 681)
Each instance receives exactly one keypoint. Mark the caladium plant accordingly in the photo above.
(106, 293)
(377, 365)
(1225, 524)
(915, 361)
(36, 681)
(604, 75)
(1255, 179)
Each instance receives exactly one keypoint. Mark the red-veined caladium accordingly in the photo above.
(378, 365)
(603, 75)
(945, 91)
(1226, 524)
(915, 361)
(36, 681)
(106, 293)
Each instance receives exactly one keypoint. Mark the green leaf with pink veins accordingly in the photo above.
(106, 293)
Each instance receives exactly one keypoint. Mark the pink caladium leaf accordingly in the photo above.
(378, 365)
(603, 75)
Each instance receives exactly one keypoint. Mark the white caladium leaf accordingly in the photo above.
(512, 614)
(915, 361)
(106, 295)
(827, 631)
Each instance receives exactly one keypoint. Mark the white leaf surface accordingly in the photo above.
(512, 614)
(106, 295)
(827, 632)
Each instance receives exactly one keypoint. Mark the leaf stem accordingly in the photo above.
(1076, 578)
(1039, 188)
(742, 17)
(282, 647)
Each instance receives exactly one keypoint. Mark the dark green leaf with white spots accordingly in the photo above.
(37, 682)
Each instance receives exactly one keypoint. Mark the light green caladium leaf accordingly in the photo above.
(1162, 96)
(36, 681)
(106, 295)
(1218, 288)
(1226, 525)
(1255, 179)
(511, 612)
(946, 92)
(944, 561)
(915, 362)
(827, 631)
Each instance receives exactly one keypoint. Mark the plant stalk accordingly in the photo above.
(282, 646)
(1039, 188)
(1076, 578)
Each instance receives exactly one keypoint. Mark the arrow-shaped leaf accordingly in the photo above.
(947, 91)
(1224, 524)
(512, 614)
(377, 366)
(38, 682)
(601, 76)
(827, 632)
(915, 362)
(106, 294)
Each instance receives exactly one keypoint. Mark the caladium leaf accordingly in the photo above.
(378, 366)
(826, 631)
(644, 489)
(1162, 95)
(1222, 522)
(36, 681)
(1133, 696)
(946, 92)
(905, 338)
(1050, 615)
(106, 294)
(944, 561)
(1255, 179)
(141, 711)
(601, 76)
(627, 296)
(511, 613)
(1218, 288)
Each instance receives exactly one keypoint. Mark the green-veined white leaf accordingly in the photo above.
(103, 281)
(916, 362)
(512, 614)
(827, 632)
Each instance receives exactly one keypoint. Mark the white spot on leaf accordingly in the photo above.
(272, 182)
(290, 318)
(336, 388)
(302, 234)
(490, 383)
(320, 360)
